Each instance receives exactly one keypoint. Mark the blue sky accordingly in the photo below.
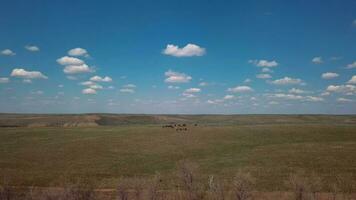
(193, 57)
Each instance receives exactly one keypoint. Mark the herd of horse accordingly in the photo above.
(178, 127)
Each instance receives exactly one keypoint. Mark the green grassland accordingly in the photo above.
(271, 151)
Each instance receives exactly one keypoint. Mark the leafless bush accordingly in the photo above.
(242, 186)
(315, 186)
(153, 187)
(187, 174)
(299, 186)
(6, 192)
(216, 189)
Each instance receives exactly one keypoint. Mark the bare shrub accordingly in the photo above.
(122, 191)
(6, 192)
(315, 186)
(216, 189)
(153, 187)
(299, 186)
(243, 184)
(187, 174)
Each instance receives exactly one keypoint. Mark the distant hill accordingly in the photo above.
(90, 120)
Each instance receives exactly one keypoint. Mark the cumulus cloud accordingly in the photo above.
(7, 52)
(192, 90)
(329, 75)
(296, 97)
(78, 52)
(187, 51)
(240, 89)
(352, 80)
(228, 97)
(264, 63)
(87, 83)
(344, 100)
(351, 65)
(96, 87)
(172, 87)
(176, 77)
(247, 80)
(21, 73)
(263, 76)
(4, 80)
(129, 86)
(127, 90)
(101, 79)
(203, 84)
(89, 91)
(77, 69)
(32, 48)
(287, 81)
(297, 91)
(266, 70)
(66, 60)
(317, 60)
(345, 89)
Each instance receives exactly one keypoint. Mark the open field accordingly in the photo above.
(269, 147)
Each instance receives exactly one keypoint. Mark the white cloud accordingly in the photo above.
(228, 97)
(172, 87)
(329, 75)
(38, 92)
(240, 89)
(317, 60)
(76, 69)
(192, 90)
(345, 89)
(187, 51)
(296, 97)
(78, 52)
(297, 91)
(66, 60)
(344, 100)
(7, 52)
(287, 81)
(60, 86)
(127, 90)
(129, 86)
(96, 87)
(188, 95)
(203, 84)
(247, 80)
(101, 79)
(351, 65)
(89, 91)
(266, 70)
(32, 48)
(352, 80)
(87, 83)
(264, 63)
(21, 73)
(28, 81)
(313, 99)
(263, 76)
(177, 77)
(4, 80)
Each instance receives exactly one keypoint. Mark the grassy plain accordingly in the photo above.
(45, 156)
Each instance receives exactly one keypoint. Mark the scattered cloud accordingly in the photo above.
(297, 91)
(263, 76)
(77, 69)
(187, 51)
(177, 77)
(352, 80)
(78, 52)
(296, 97)
(172, 87)
(7, 52)
(287, 81)
(127, 90)
(317, 60)
(264, 63)
(32, 48)
(96, 87)
(228, 97)
(21, 73)
(351, 65)
(66, 60)
(192, 90)
(203, 84)
(101, 79)
(266, 70)
(129, 86)
(240, 89)
(329, 75)
(89, 91)
(247, 80)
(344, 89)
(4, 80)
(87, 83)
(344, 100)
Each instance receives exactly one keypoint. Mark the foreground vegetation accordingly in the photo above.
(270, 152)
